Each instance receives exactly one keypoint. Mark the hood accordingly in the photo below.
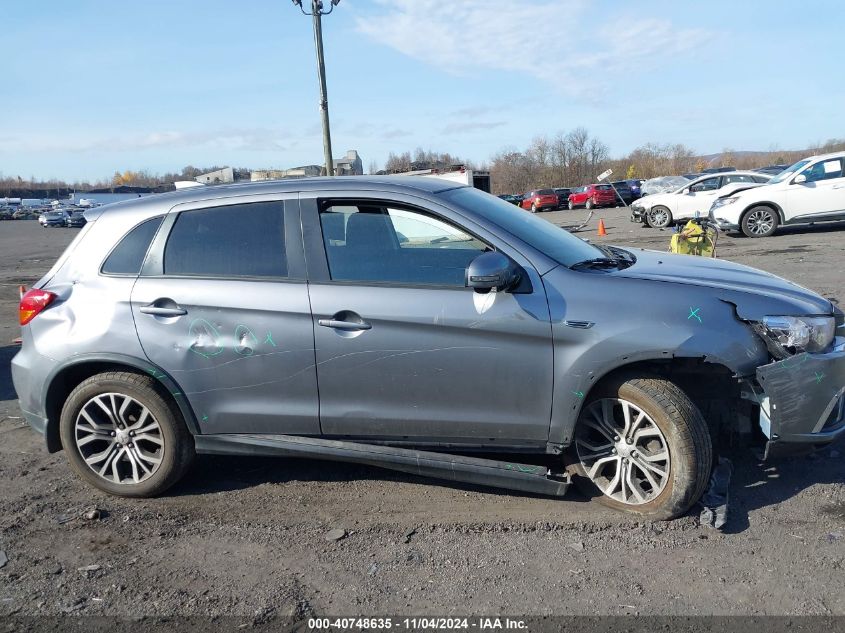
(754, 292)
(655, 198)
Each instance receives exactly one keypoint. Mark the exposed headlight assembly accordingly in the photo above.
(788, 335)
(721, 202)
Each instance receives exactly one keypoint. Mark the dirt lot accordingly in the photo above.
(248, 536)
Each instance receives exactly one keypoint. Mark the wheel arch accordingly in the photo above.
(705, 381)
(67, 375)
(766, 203)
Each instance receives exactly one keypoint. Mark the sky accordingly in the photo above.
(94, 86)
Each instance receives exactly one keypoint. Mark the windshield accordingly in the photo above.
(786, 173)
(551, 240)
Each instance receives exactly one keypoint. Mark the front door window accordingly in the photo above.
(381, 243)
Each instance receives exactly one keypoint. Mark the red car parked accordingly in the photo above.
(592, 196)
(539, 199)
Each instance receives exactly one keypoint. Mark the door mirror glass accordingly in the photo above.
(800, 178)
(492, 271)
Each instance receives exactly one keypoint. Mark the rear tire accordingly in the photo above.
(123, 436)
(759, 222)
(634, 476)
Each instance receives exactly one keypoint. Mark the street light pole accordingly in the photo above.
(317, 14)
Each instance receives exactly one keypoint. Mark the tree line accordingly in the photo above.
(565, 159)
(574, 159)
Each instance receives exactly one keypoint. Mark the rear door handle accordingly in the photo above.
(344, 325)
(161, 311)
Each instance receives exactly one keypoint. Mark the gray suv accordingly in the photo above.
(409, 323)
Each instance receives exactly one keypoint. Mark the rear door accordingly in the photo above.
(823, 193)
(222, 306)
(405, 351)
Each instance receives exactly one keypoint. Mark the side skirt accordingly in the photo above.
(482, 472)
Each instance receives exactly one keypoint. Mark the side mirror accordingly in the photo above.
(799, 179)
(492, 271)
(689, 191)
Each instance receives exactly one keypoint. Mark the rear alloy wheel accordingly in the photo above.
(659, 217)
(642, 446)
(123, 437)
(759, 222)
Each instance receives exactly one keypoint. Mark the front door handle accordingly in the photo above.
(344, 325)
(162, 311)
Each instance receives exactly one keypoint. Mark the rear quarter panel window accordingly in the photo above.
(127, 257)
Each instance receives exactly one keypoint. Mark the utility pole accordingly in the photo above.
(317, 12)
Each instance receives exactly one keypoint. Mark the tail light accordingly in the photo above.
(32, 303)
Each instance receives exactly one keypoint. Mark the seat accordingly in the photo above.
(370, 252)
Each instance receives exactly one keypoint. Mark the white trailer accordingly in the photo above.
(460, 175)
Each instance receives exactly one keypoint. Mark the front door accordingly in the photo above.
(222, 306)
(699, 198)
(405, 351)
(822, 193)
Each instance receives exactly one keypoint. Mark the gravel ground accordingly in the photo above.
(248, 537)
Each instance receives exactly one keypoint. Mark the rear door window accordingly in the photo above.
(240, 240)
(736, 178)
(708, 184)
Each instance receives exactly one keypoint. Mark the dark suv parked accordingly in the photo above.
(406, 322)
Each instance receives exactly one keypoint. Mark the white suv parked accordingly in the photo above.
(811, 190)
(695, 197)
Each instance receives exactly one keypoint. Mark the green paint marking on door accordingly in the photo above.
(693, 313)
(269, 339)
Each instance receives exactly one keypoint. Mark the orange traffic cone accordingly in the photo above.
(602, 230)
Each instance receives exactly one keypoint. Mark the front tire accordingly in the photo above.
(570, 205)
(533, 208)
(123, 437)
(759, 222)
(642, 446)
(590, 204)
(659, 217)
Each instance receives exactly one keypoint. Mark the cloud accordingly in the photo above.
(459, 127)
(253, 139)
(555, 41)
(364, 130)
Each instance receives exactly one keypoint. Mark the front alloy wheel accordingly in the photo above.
(623, 451)
(659, 217)
(759, 222)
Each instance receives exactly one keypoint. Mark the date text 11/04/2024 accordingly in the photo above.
(418, 623)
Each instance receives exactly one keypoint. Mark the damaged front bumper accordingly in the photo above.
(802, 401)
(638, 214)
